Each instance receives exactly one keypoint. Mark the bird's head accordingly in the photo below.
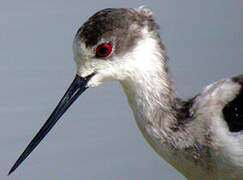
(114, 44)
(110, 44)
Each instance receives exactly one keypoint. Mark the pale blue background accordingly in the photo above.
(98, 138)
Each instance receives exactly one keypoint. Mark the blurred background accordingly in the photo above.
(97, 138)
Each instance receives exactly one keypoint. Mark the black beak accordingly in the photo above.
(77, 87)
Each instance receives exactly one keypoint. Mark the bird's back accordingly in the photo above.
(219, 107)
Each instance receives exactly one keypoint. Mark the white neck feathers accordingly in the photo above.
(148, 87)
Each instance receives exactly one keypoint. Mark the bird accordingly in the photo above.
(201, 137)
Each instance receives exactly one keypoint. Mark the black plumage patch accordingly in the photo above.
(182, 113)
(233, 111)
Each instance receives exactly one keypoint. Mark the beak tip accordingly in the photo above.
(10, 172)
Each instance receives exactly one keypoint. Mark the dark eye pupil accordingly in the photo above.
(103, 50)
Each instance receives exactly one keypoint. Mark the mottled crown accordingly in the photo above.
(121, 26)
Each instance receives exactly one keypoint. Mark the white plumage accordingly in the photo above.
(201, 137)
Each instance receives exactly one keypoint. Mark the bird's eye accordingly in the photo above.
(103, 50)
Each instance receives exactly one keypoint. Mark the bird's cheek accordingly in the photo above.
(100, 77)
(95, 80)
(85, 69)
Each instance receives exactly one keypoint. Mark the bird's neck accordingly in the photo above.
(162, 118)
(148, 89)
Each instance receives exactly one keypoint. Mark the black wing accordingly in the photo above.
(233, 111)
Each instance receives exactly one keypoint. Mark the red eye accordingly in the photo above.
(103, 50)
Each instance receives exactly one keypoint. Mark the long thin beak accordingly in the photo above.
(77, 87)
